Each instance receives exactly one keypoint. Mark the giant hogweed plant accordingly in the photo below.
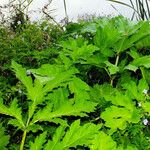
(116, 49)
(49, 89)
(111, 44)
(103, 116)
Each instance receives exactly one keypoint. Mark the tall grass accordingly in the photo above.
(141, 8)
(21, 5)
(65, 8)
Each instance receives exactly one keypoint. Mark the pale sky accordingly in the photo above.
(79, 7)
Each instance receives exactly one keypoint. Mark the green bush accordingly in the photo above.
(31, 45)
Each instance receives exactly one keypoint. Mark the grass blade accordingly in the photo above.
(122, 3)
(148, 10)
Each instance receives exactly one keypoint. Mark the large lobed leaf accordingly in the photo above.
(47, 78)
(39, 142)
(117, 118)
(102, 141)
(76, 135)
(59, 105)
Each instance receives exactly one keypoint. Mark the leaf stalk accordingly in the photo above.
(23, 140)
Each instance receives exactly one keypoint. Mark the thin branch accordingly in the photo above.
(49, 16)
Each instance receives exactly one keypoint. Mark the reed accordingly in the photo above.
(21, 5)
(65, 8)
(141, 8)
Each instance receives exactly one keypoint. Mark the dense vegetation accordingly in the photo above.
(85, 86)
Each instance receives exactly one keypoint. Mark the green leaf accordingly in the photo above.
(13, 111)
(96, 60)
(143, 43)
(103, 141)
(116, 117)
(59, 105)
(69, 108)
(61, 78)
(134, 53)
(22, 76)
(39, 142)
(89, 28)
(106, 36)
(55, 143)
(15, 123)
(120, 99)
(133, 34)
(47, 78)
(145, 72)
(79, 135)
(137, 91)
(78, 49)
(34, 90)
(34, 128)
(66, 61)
(131, 67)
(141, 61)
(129, 147)
(113, 69)
(75, 135)
(79, 88)
(146, 106)
(98, 92)
(4, 139)
(142, 86)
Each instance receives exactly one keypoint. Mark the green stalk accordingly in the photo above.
(111, 79)
(117, 60)
(24, 135)
(27, 124)
(116, 64)
(23, 140)
(142, 71)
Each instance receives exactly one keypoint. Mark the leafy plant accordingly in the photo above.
(36, 92)
(93, 95)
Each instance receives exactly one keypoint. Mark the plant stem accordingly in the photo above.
(27, 124)
(25, 132)
(116, 64)
(23, 140)
(117, 60)
(111, 82)
(142, 71)
(111, 79)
